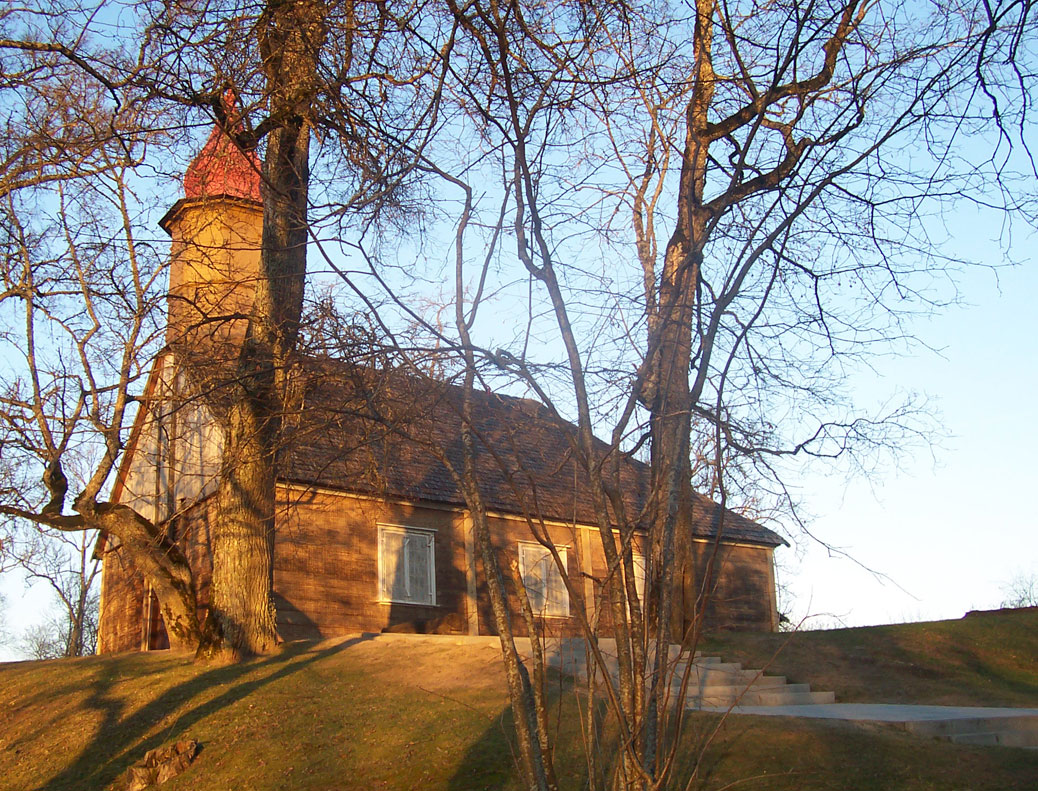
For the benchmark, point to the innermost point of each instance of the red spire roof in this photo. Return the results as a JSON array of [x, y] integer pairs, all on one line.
[[221, 168]]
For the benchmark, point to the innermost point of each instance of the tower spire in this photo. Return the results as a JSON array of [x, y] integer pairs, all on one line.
[[221, 168], [216, 230]]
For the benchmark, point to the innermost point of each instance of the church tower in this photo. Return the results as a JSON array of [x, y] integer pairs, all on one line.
[[216, 230]]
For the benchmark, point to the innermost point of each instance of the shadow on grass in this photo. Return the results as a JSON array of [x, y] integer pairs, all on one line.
[[117, 742], [492, 760], [55, 681], [765, 754]]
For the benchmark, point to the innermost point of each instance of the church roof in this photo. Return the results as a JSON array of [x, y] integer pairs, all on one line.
[[397, 435], [222, 169]]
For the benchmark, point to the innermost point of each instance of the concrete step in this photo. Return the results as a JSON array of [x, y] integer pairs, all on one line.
[[718, 672], [770, 698], [1008, 731], [946, 728], [711, 680], [738, 689], [991, 726], [1011, 738], [754, 682], [700, 677], [714, 667], [578, 661]]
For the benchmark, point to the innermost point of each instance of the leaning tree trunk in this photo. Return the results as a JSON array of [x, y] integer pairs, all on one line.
[[163, 564]]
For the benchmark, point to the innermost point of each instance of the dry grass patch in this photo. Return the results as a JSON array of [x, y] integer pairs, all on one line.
[[403, 714]]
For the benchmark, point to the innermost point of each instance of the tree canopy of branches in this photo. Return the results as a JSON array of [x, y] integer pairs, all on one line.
[[718, 208], [73, 89], [688, 219]]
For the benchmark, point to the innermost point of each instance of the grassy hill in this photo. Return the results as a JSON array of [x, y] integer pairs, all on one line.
[[983, 659], [364, 714]]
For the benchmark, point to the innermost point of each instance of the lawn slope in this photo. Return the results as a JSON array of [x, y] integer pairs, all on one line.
[[983, 659], [359, 713]]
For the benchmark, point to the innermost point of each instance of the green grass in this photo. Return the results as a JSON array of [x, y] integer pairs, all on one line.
[[985, 659], [361, 715]]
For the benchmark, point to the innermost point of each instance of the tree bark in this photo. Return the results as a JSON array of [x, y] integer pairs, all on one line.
[[164, 566], [290, 35]]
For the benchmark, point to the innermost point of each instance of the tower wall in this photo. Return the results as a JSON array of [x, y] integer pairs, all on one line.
[[214, 264]]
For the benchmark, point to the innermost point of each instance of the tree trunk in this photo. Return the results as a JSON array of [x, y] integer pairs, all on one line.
[[670, 336], [243, 538], [290, 36], [670, 426], [164, 567]]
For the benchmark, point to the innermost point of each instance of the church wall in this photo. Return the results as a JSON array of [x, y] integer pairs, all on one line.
[[506, 534], [122, 604], [326, 573], [742, 596], [197, 445], [326, 566], [176, 450]]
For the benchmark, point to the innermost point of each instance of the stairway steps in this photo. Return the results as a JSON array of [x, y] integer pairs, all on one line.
[[711, 680], [963, 725], [758, 683], [715, 690], [714, 683], [1009, 731]]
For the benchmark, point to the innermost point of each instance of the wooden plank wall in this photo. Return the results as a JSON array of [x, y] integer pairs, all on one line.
[[326, 566], [742, 596], [326, 573], [506, 535], [122, 604]]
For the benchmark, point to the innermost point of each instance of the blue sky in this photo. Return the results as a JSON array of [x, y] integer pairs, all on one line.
[[953, 527]]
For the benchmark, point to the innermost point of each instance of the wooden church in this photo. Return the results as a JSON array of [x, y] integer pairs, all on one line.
[[372, 532]]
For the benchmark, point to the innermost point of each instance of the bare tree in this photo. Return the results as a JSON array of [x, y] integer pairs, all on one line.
[[51, 638], [790, 156], [288, 68], [4, 636], [80, 303], [65, 564], [1021, 590]]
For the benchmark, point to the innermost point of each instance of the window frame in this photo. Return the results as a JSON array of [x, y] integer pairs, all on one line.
[[385, 594], [546, 557]]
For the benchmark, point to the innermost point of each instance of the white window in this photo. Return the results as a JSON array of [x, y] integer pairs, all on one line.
[[547, 593], [406, 565]]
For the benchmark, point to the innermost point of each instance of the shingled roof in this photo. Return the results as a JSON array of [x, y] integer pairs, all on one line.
[[397, 435]]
